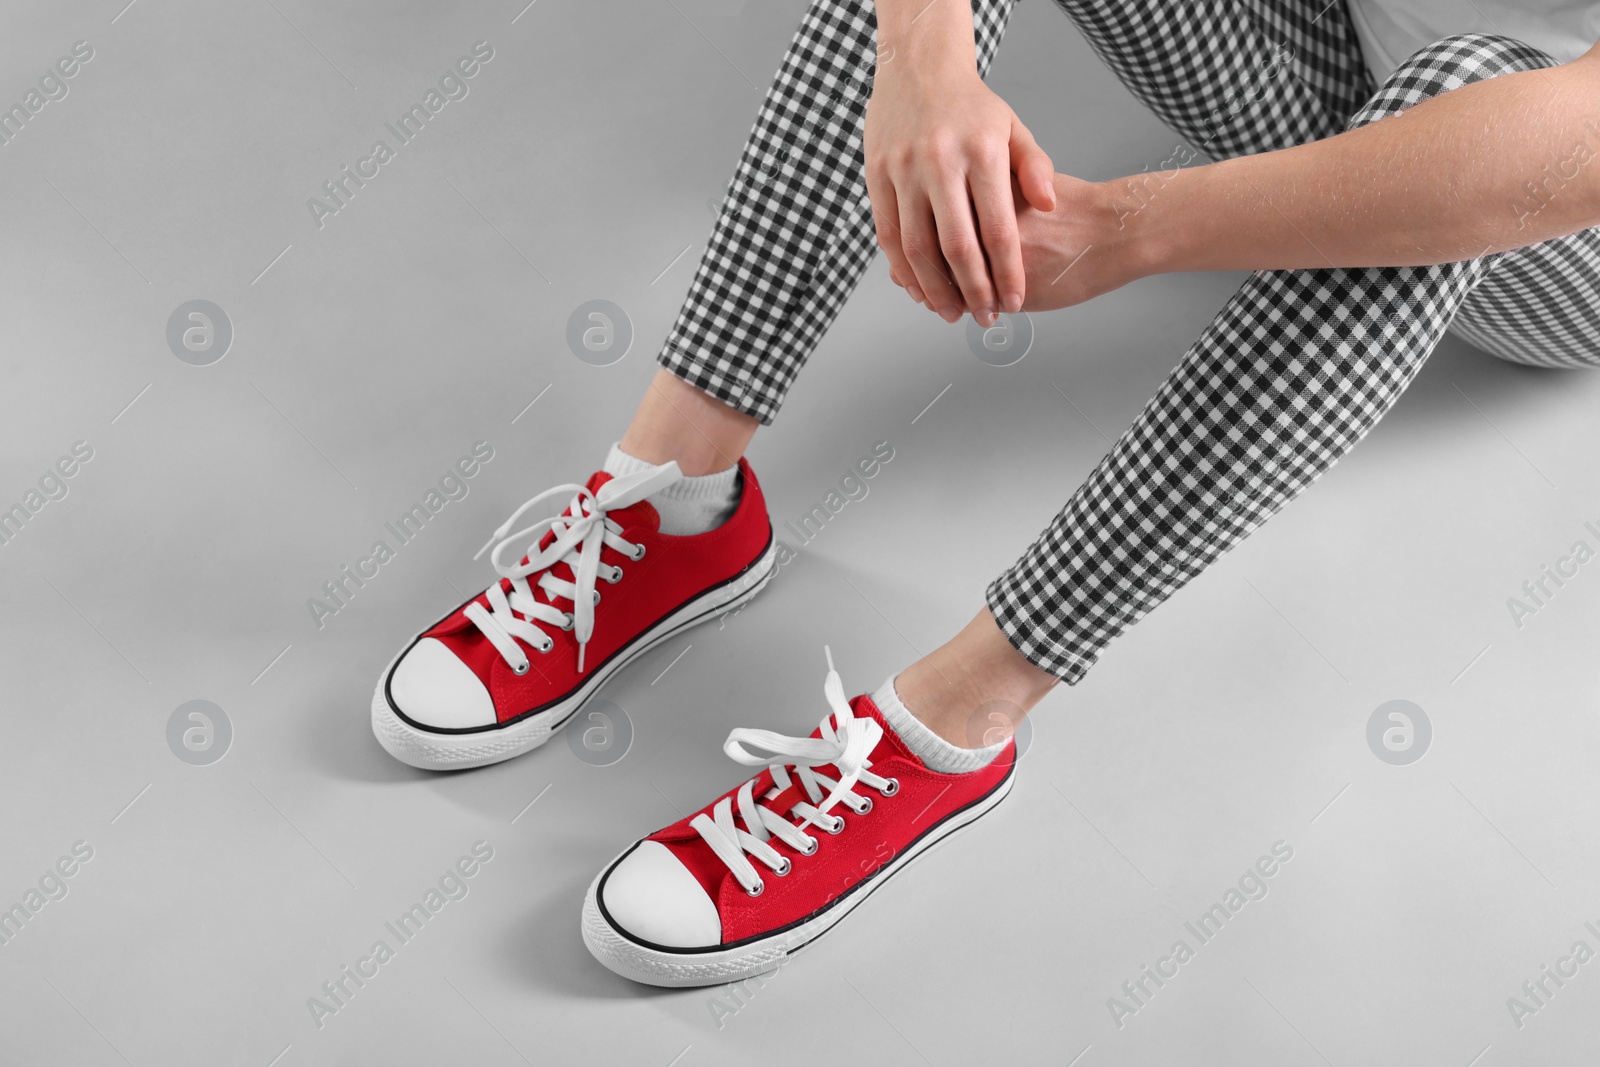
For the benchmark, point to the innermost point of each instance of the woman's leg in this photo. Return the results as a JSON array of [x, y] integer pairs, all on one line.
[[1233, 77], [1296, 369], [793, 238], [1230, 77], [1540, 306], [676, 421]]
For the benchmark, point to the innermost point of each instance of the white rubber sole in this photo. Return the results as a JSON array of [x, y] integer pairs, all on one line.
[[448, 752], [664, 967]]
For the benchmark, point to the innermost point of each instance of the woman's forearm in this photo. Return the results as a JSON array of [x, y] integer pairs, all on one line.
[[1495, 165], [924, 36]]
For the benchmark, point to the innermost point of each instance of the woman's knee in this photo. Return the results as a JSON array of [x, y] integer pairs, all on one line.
[[1448, 64]]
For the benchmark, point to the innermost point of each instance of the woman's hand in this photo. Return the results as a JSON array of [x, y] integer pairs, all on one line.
[[941, 151]]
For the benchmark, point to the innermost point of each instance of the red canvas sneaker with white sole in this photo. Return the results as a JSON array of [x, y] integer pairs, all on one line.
[[735, 889], [597, 586]]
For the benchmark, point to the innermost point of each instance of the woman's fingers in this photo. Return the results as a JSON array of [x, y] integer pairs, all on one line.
[[997, 229], [1036, 175], [919, 238], [885, 216], [958, 240]]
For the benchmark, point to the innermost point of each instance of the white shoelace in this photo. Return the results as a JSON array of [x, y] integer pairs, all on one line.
[[846, 742], [580, 532]]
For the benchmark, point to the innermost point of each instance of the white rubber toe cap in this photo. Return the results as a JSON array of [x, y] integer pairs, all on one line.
[[434, 688], [653, 897]]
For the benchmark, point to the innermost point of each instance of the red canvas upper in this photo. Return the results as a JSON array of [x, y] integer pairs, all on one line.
[[867, 843], [674, 570]]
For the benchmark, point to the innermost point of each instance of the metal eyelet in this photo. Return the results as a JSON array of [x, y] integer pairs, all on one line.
[[637, 556], [866, 806], [812, 851], [522, 669], [891, 787], [544, 648], [785, 869], [570, 621], [756, 892], [838, 825], [597, 596], [614, 576]]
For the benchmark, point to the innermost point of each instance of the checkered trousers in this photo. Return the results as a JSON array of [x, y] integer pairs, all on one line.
[[1295, 369]]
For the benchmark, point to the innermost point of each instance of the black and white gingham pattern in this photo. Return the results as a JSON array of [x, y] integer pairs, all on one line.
[[1540, 305], [795, 231], [1233, 77], [1296, 369]]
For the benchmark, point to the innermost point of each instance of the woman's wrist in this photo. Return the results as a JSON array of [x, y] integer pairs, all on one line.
[[925, 41], [1120, 237], [924, 64], [1162, 222]]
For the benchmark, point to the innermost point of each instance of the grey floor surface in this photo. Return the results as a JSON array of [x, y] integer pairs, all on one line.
[[429, 314]]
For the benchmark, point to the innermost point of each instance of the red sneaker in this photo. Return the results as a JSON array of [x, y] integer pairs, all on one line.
[[735, 889], [494, 678]]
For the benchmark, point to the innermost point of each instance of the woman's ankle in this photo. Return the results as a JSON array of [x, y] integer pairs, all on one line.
[[676, 421], [974, 687]]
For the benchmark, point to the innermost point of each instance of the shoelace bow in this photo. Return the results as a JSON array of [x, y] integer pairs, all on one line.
[[846, 742], [580, 532]]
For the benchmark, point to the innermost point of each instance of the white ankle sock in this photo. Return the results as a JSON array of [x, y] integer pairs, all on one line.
[[690, 506], [939, 755]]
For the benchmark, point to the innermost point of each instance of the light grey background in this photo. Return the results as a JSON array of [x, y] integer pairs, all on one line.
[[427, 315]]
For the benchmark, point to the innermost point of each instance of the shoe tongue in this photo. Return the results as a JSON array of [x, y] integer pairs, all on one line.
[[784, 802], [641, 514]]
